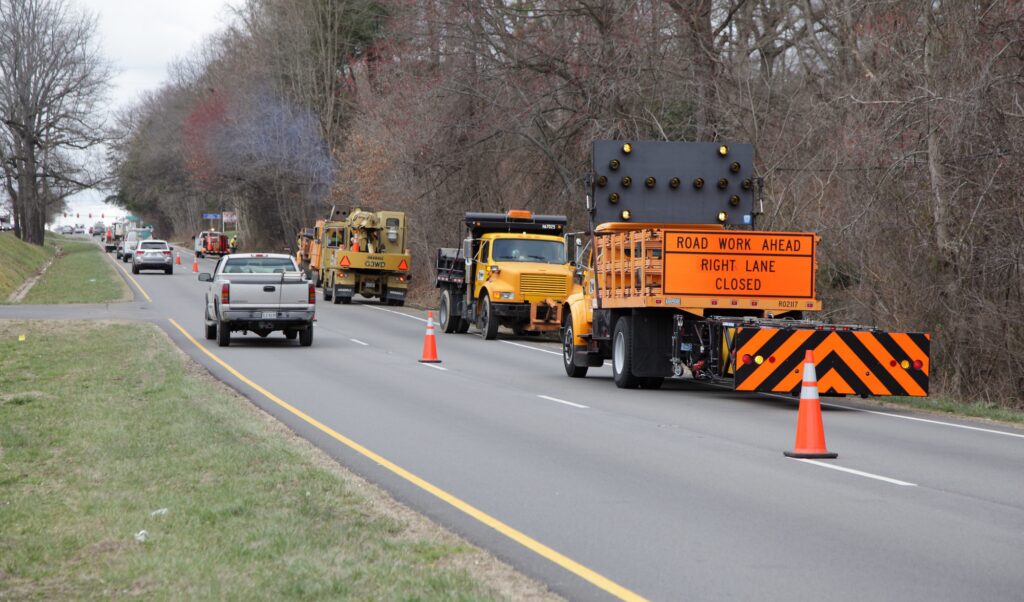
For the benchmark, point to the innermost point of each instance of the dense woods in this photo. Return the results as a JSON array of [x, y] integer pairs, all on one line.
[[893, 128]]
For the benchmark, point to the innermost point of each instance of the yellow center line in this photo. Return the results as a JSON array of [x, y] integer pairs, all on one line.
[[134, 281], [525, 540]]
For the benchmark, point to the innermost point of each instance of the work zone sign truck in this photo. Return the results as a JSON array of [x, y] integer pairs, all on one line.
[[673, 279]]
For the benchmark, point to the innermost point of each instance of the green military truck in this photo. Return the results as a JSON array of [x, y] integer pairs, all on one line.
[[363, 252]]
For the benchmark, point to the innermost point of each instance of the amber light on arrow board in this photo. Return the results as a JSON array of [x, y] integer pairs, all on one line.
[[723, 150], [626, 215], [613, 198], [627, 148]]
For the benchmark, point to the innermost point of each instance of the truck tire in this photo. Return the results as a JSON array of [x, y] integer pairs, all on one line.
[[346, 300], [336, 298], [488, 321], [211, 329], [135, 269], [223, 335], [571, 369], [306, 336], [463, 326], [328, 292], [622, 354], [449, 322]]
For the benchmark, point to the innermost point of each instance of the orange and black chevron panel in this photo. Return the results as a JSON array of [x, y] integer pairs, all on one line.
[[847, 362]]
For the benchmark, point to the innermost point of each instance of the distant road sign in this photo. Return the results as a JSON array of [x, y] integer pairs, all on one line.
[[133, 218], [230, 216], [211, 216]]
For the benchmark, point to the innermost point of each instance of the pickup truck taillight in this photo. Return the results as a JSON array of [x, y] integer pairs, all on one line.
[[225, 293], [312, 294]]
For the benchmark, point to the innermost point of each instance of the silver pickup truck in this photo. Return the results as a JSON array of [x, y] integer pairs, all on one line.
[[261, 293]]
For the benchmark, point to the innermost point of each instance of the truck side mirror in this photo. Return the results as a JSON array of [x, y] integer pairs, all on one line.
[[205, 277]]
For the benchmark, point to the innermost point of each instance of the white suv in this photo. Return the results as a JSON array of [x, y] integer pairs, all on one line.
[[152, 255]]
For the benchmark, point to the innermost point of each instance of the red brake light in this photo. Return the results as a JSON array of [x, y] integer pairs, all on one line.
[[225, 293], [138, 252], [747, 359], [312, 293], [167, 252]]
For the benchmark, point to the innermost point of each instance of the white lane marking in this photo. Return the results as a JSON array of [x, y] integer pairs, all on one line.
[[529, 347], [890, 414], [568, 403], [397, 313], [434, 366], [857, 472], [358, 342], [952, 424]]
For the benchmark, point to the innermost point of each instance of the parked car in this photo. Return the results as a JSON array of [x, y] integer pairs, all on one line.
[[67, 230], [153, 255], [259, 292]]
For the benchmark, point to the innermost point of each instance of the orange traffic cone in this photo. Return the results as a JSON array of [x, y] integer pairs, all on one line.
[[177, 258], [195, 263], [810, 433], [429, 344]]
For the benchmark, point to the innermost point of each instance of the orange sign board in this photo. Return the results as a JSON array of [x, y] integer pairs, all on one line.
[[739, 264]]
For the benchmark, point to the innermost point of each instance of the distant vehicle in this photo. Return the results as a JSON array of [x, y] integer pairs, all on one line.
[[131, 241], [79, 229], [270, 293], [67, 230], [98, 229], [210, 242], [152, 255]]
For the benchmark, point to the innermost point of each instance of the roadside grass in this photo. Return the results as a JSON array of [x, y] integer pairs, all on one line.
[[79, 275], [944, 405], [94, 443], [18, 261]]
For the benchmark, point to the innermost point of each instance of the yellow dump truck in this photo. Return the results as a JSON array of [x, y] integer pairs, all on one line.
[[362, 252], [511, 270]]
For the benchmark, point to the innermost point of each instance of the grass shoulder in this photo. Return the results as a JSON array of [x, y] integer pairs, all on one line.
[[95, 446], [19, 261], [944, 406], [80, 274]]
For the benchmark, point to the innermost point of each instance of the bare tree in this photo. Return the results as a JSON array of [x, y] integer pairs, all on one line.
[[52, 84]]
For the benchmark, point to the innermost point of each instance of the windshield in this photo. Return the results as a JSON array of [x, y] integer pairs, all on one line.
[[259, 265], [540, 251], [155, 245]]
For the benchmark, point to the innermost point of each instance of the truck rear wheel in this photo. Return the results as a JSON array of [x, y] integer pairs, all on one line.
[[449, 321], [622, 354], [328, 291], [211, 330], [223, 334], [488, 321], [568, 348], [306, 336]]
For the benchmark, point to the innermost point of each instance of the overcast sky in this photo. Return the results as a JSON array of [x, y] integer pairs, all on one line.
[[142, 38]]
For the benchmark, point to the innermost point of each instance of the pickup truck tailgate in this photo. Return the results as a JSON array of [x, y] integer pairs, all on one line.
[[286, 291]]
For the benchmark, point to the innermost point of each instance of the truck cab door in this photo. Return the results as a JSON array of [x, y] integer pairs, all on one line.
[[481, 266]]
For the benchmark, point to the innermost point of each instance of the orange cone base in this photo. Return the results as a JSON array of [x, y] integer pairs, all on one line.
[[425, 361], [811, 453]]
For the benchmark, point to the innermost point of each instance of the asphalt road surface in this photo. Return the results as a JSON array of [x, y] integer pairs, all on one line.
[[602, 493]]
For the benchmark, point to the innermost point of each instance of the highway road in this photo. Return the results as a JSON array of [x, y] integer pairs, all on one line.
[[602, 493]]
